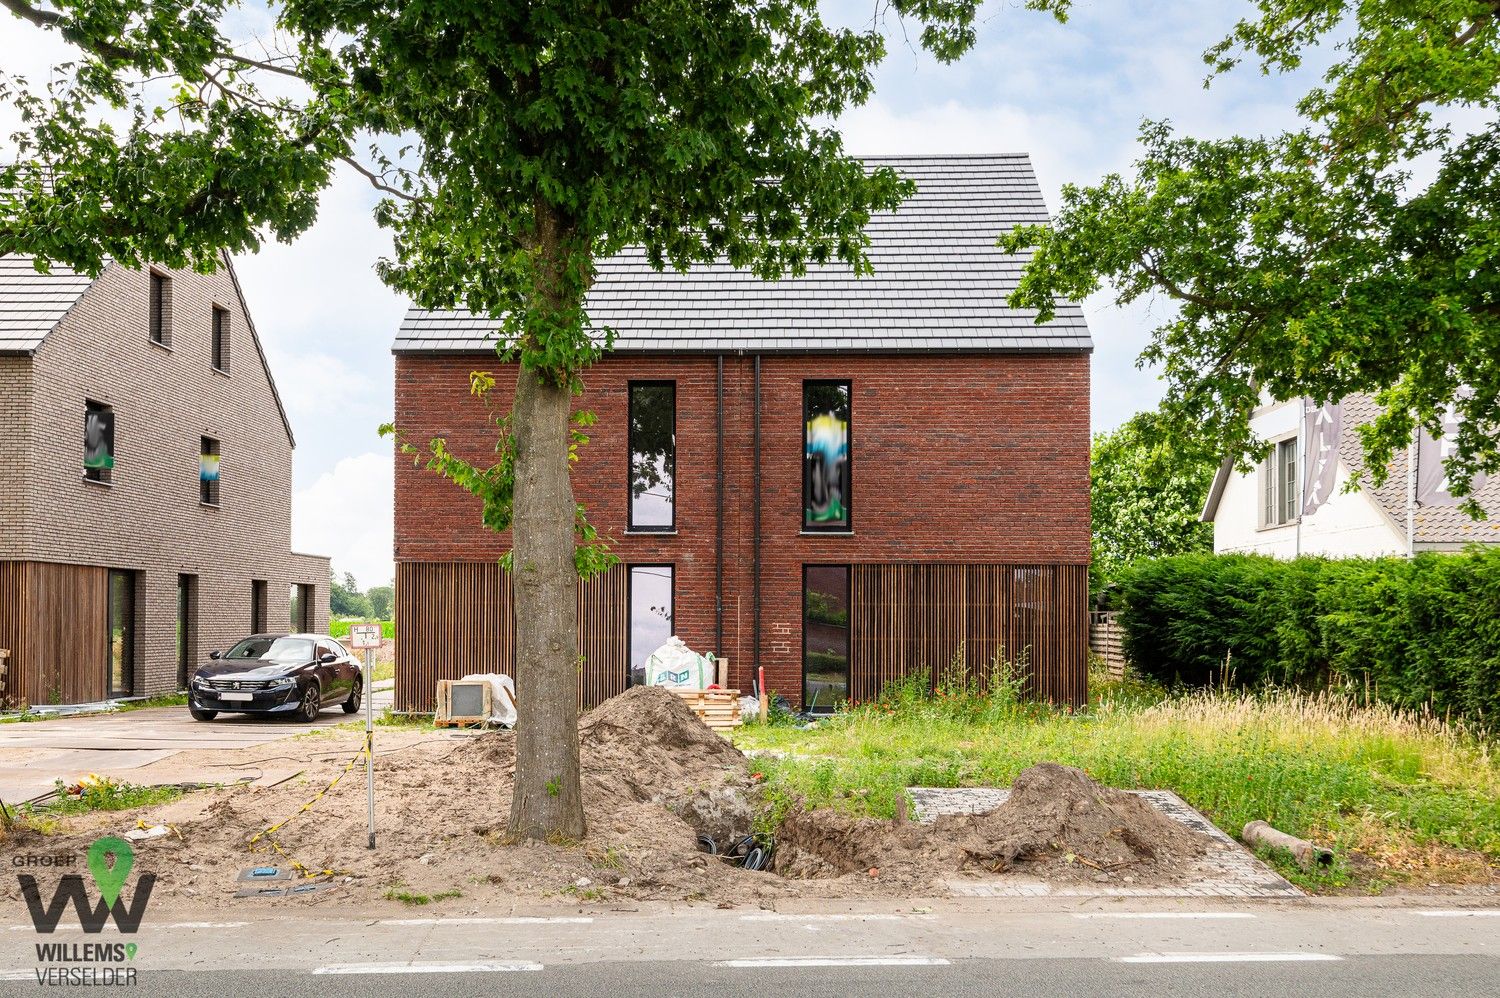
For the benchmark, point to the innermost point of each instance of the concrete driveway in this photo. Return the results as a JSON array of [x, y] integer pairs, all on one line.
[[36, 753]]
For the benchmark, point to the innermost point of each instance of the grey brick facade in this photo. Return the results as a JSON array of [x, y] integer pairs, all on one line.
[[149, 518]]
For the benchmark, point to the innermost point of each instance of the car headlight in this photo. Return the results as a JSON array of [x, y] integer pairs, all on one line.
[[281, 684]]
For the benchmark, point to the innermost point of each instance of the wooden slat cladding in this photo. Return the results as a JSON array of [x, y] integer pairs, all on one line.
[[54, 619], [909, 617], [457, 618]]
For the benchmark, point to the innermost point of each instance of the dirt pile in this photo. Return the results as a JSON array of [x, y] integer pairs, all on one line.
[[1057, 823]]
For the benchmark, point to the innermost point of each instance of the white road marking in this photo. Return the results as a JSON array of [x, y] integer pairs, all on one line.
[[1463, 913], [786, 917], [512, 920], [834, 961], [202, 925], [1164, 914], [17, 975], [428, 968], [1229, 958]]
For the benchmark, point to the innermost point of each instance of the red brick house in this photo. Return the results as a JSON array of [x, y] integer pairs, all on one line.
[[841, 480]]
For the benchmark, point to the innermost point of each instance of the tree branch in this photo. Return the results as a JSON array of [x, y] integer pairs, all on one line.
[[378, 181], [120, 53]]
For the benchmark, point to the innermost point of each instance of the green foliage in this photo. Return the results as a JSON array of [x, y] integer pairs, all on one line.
[[108, 795], [1418, 633], [1350, 776], [1313, 262], [345, 599], [340, 628], [1147, 488], [382, 601]]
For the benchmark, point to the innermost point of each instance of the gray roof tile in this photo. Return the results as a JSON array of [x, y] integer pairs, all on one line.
[[32, 303], [940, 284]]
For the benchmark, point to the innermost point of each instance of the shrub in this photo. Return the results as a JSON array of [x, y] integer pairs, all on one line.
[[1423, 632], [340, 628]]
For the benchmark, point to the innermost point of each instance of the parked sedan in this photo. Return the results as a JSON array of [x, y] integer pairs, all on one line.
[[289, 675]]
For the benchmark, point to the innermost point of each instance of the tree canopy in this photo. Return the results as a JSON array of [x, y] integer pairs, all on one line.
[[1356, 252], [1147, 487]]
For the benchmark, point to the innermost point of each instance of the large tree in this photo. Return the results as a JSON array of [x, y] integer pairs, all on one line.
[[1147, 487], [516, 143], [1359, 251]]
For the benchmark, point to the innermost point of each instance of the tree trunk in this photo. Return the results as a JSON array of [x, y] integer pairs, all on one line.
[[548, 801]]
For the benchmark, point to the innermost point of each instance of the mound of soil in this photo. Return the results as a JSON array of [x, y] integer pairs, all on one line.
[[1057, 823]]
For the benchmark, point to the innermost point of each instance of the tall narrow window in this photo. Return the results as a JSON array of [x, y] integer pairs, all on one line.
[[220, 338], [187, 597], [98, 442], [121, 633], [159, 315], [650, 615], [827, 500], [301, 605], [1280, 485], [208, 471], [653, 455], [825, 636], [259, 606]]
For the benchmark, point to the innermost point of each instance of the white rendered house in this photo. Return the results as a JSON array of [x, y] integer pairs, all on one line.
[[1262, 512]]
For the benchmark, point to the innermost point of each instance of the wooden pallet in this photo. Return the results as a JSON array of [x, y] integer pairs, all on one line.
[[719, 709]]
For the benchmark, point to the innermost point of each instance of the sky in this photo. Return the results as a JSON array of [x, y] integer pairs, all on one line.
[[1073, 96]]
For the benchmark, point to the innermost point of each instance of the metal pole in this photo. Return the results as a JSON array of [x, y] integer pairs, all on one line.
[[370, 739]]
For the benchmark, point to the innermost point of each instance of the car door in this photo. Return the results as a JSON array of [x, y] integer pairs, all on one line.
[[348, 666], [335, 688]]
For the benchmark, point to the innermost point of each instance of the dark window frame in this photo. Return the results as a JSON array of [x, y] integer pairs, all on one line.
[[847, 527], [218, 337], [260, 605], [187, 625], [128, 644], [630, 524], [848, 629], [208, 491], [101, 476], [630, 608], [159, 308]]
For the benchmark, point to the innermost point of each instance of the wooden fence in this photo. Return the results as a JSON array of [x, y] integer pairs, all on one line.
[[54, 619], [1107, 640]]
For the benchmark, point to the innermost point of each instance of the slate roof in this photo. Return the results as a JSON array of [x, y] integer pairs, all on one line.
[[1433, 525], [939, 285], [31, 304]]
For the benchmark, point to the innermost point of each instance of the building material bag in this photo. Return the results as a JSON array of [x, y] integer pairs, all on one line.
[[675, 665]]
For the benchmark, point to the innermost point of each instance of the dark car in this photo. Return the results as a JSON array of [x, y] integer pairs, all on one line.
[[287, 675]]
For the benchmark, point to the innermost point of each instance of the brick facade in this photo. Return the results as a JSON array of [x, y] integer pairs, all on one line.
[[149, 519], [980, 458]]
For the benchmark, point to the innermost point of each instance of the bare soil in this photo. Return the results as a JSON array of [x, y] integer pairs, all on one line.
[[655, 778]]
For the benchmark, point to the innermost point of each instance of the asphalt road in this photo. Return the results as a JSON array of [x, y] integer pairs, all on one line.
[[1327, 948]]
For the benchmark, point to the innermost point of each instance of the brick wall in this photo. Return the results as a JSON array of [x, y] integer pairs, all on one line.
[[149, 518], [980, 458], [15, 436]]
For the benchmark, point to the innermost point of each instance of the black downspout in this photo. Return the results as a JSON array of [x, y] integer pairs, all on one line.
[[755, 560], [719, 515]]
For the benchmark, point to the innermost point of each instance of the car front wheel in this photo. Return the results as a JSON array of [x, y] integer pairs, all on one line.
[[199, 714], [312, 703]]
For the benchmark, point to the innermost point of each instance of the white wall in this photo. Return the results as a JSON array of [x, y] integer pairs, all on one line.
[[1347, 525]]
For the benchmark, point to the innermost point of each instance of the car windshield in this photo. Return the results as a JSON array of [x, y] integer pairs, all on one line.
[[285, 651]]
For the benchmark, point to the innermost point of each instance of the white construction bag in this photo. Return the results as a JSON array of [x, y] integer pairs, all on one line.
[[502, 697], [676, 665]]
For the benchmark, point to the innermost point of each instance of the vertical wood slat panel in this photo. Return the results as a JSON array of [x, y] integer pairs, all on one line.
[[55, 620], [911, 617], [458, 618]]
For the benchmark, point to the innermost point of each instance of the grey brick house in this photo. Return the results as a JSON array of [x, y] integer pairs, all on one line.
[[145, 482]]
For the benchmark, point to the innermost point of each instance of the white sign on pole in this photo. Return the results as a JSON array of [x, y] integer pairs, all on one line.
[[363, 636]]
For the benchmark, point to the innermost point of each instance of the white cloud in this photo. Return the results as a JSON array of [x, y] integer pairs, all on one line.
[[346, 514]]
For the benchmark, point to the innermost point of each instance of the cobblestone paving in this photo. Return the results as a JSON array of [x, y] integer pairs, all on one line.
[[1226, 870]]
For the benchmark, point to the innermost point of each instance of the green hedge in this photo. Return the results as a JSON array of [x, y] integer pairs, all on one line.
[[1412, 632], [340, 628]]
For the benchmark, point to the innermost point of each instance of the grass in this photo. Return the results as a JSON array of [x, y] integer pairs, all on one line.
[[97, 794], [1404, 789], [407, 897]]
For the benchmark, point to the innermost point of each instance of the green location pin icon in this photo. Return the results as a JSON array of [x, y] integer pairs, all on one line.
[[110, 860], [130, 951]]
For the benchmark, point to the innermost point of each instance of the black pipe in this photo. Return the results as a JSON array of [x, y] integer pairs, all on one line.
[[755, 542], [719, 516]]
